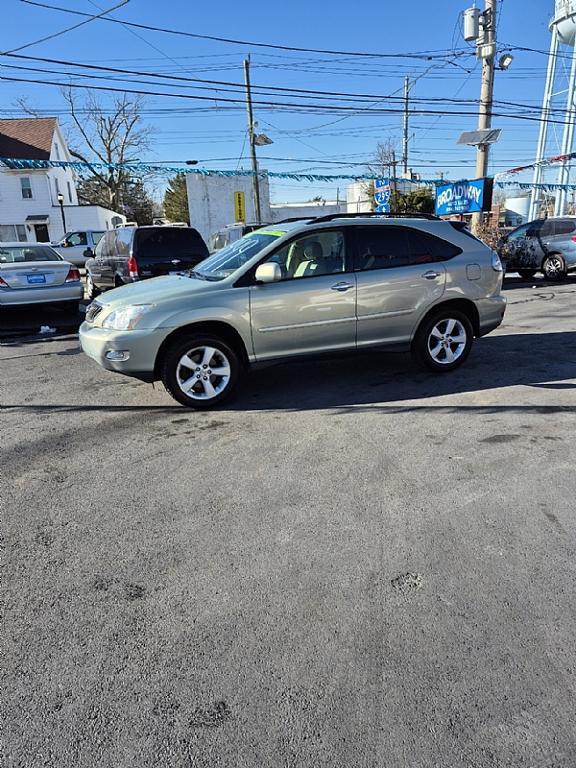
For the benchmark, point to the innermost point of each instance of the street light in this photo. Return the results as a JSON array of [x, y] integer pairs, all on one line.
[[505, 61], [61, 202]]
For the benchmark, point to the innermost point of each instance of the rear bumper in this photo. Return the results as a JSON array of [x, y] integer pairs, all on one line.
[[491, 313], [10, 297], [141, 346]]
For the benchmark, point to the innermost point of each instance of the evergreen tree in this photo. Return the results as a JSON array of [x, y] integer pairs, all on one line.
[[176, 199]]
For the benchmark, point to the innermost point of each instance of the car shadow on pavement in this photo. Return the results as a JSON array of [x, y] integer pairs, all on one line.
[[534, 360], [378, 380]]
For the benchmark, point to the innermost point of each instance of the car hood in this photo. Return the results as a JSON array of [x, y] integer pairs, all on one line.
[[157, 290]]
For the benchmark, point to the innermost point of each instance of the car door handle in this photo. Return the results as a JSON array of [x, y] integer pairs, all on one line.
[[431, 275], [341, 287]]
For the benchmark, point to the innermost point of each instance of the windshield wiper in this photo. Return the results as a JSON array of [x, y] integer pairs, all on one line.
[[197, 275]]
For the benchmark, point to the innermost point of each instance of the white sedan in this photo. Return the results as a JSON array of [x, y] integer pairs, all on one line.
[[33, 273]]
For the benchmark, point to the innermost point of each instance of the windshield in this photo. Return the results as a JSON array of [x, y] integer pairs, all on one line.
[[10, 255], [229, 259]]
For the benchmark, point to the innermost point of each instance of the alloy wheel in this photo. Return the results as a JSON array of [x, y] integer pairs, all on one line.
[[447, 341], [203, 373], [553, 267]]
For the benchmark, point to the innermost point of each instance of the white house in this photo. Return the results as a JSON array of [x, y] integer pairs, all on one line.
[[29, 199]]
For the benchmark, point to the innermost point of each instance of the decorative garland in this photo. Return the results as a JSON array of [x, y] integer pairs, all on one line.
[[81, 167]]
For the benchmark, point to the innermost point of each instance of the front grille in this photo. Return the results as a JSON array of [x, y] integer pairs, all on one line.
[[93, 311]]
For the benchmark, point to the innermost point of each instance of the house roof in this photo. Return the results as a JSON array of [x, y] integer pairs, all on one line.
[[28, 138]]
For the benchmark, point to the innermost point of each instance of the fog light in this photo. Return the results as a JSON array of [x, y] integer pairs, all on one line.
[[117, 354]]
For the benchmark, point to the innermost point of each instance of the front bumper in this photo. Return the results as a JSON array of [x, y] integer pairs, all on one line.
[[141, 346]]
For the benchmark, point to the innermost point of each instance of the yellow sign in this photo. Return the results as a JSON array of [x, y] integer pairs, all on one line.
[[239, 207]]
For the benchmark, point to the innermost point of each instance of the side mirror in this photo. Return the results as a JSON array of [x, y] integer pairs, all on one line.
[[268, 273]]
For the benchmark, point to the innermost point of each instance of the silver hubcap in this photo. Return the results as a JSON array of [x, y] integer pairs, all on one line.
[[553, 267], [447, 341], [203, 373]]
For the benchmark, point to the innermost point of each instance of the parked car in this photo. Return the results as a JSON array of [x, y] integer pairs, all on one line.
[[77, 247], [343, 282], [544, 245], [33, 273], [228, 235], [128, 254]]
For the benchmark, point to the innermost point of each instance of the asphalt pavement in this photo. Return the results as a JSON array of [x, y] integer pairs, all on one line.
[[354, 563]]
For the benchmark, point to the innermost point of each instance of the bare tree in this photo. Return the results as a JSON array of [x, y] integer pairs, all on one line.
[[109, 135], [381, 164]]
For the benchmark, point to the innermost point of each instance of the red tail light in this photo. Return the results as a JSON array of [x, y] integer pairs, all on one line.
[[573, 238], [133, 268], [3, 282], [73, 275]]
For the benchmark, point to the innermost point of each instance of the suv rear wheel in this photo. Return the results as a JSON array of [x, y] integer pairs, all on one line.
[[553, 267], [200, 371], [444, 340]]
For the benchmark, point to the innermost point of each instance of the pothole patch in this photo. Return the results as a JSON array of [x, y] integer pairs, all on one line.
[[407, 583]]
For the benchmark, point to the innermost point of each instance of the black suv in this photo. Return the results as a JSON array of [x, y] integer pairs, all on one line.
[[127, 254]]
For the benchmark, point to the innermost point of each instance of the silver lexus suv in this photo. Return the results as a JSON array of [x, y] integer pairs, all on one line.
[[334, 283]]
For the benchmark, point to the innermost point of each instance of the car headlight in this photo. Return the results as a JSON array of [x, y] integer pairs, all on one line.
[[126, 318]]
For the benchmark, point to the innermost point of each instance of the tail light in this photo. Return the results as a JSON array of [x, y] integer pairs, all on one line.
[[573, 238], [73, 275], [4, 283], [133, 268]]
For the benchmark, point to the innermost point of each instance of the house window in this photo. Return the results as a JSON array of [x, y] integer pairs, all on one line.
[[26, 187], [13, 232], [57, 187], [57, 151], [69, 191]]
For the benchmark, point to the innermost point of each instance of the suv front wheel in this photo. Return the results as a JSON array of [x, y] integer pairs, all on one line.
[[443, 341], [200, 371]]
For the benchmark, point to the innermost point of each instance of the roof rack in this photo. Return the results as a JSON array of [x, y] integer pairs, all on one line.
[[332, 216], [295, 218]]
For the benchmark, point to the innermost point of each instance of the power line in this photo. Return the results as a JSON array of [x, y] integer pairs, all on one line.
[[91, 17], [423, 55]]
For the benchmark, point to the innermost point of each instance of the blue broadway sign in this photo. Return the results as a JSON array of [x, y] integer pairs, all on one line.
[[464, 197]]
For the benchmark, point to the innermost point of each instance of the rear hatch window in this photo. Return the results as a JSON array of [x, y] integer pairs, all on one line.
[[168, 249]]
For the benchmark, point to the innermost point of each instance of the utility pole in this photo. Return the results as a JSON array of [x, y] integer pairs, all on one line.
[[393, 182], [255, 180], [405, 140], [487, 52]]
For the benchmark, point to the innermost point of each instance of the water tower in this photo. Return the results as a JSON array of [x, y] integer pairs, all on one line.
[[560, 91]]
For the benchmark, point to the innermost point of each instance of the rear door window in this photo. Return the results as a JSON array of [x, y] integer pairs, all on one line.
[[564, 227], [381, 247]]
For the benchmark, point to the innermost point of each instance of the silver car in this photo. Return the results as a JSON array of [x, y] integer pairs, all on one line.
[[543, 245], [304, 288], [77, 247], [33, 273]]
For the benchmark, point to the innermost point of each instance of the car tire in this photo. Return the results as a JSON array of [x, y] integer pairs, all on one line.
[[91, 290], [187, 366], [443, 341], [526, 274], [554, 267]]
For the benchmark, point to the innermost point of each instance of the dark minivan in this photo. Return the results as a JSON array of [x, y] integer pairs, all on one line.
[[127, 254]]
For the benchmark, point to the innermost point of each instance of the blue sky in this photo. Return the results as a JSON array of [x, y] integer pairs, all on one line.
[[216, 136]]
